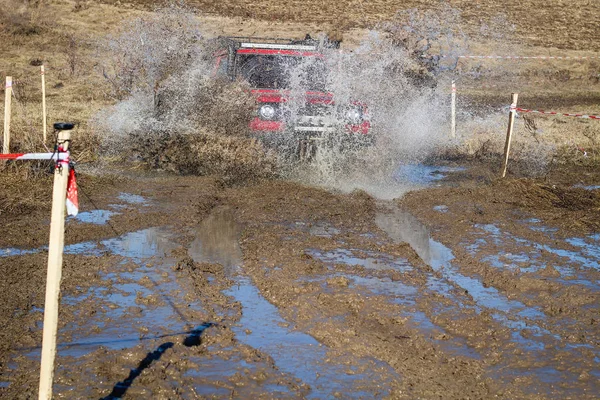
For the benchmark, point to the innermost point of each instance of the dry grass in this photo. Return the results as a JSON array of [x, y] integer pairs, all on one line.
[[75, 88], [537, 22], [540, 144], [24, 190], [32, 32], [63, 35], [24, 18]]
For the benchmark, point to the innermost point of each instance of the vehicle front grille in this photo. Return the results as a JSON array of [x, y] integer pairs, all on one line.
[[317, 109]]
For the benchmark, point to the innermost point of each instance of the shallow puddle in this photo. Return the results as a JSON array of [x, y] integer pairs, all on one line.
[[213, 377], [323, 230], [134, 304], [403, 227], [96, 217], [537, 343], [132, 198], [300, 354], [261, 326], [587, 187], [423, 175], [373, 260], [83, 248], [534, 257]]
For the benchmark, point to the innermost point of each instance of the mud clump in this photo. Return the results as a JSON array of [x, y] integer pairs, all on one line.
[[235, 159], [217, 105], [339, 281]]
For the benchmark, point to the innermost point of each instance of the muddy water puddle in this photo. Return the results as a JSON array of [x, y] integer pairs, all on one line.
[[140, 304], [407, 297], [134, 199], [587, 187], [302, 356], [422, 174], [102, 217], [573, 261], [262, 327], [371, 260], [96, 217], [83, 248], [403, 227], [136, 301], [530, 331]]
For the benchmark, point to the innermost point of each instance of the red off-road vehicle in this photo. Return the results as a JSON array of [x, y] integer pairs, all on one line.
[[292, 114]]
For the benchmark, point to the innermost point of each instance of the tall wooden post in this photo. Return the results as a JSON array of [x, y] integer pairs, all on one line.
[[55, 258], [511, 123], [7, 112], [44, 121], [453, 112]]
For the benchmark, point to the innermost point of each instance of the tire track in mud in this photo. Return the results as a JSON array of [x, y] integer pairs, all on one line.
[[556, 351], [329, 300], [310, 294]]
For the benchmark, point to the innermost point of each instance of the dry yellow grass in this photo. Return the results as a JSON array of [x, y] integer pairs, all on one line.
[[546, 23], [76, 89]]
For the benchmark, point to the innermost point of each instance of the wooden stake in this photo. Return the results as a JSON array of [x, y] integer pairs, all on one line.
[[55, 258], [7, 106], [453, 112], [511, 123], [45, 125]]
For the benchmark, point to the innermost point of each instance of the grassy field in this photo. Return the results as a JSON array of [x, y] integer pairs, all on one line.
[[65, 36], [537, 22]]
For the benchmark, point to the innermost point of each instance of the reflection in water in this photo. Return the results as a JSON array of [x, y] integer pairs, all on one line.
[[217, 240], [142, 244], [299, 354], [403, 227]]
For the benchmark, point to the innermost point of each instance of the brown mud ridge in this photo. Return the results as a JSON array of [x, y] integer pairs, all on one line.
[[182, 287]]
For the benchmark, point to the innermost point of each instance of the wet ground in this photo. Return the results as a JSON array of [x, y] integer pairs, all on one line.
[[183, 288]]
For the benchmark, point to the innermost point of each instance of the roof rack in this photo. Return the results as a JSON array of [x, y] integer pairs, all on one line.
[[241, 42], [252, 39], [306, 44]]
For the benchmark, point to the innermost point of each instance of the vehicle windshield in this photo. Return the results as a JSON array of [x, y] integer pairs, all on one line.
[[277, 72]]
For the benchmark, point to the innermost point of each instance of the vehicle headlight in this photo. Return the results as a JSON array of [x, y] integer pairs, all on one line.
[[354, 115], [267, 111]]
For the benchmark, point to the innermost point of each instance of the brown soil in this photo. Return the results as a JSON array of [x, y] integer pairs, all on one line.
[[285, 229]]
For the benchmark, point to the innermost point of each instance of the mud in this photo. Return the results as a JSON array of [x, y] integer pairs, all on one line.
[[439, 282], [182, 287]]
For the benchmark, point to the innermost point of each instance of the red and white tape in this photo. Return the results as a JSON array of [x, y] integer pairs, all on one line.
[[63, 159], [525, 110], [534, 57], [72, 201], [36, 156]]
